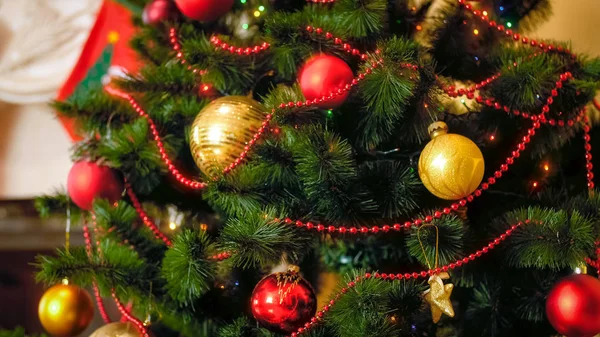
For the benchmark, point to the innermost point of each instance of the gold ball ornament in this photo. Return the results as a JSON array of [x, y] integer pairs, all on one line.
[[451, 166], [65, 310], [221, 131], [117, 330]]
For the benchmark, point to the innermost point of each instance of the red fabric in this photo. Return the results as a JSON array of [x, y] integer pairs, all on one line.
[[111, 17]]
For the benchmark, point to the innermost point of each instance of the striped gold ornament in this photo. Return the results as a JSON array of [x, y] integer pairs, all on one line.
[[221, 131]]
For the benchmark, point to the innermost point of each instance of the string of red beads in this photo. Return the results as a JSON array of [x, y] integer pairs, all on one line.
[[136, 322], [453, 207], [88, 249], [144, 216], [407, 276], [547, 47], [176, 46], [161, 149], [346, 46], [470, 91], [221, 256], [588, 153], [220, 44], [251, 143]]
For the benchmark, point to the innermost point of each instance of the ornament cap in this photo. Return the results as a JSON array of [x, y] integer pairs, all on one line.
[[437, 129], [292, 268]]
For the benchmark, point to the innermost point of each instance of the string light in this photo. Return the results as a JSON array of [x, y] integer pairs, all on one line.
[[204, 227], [509, 24], [535, 184], [172, 226], [476, 31], [485, 13], [245, 26], [492, 137], [261, 8], [501, 8], [256, 13], [419, 28], [546, 167], [243, 1]]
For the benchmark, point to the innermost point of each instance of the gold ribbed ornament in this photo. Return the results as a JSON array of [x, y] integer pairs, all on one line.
[[451, 166], [117, 330], [65, 310], [221, 131]]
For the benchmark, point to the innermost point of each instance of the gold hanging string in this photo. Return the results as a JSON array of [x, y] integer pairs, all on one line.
[[437, 242], [68, 227]]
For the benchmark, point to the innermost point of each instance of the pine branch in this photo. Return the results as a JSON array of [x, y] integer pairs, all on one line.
[[258, 240], [186, 267]]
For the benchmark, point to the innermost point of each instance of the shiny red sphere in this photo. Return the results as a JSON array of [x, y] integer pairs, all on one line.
[[88, 181], [573, 306], [322, 75], [204, 10], [283, 302], [158, 11]]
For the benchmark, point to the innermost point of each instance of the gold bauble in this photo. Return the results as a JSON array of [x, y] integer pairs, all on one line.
[[451, 166], [221, 131], [117, 330], [65, 310]]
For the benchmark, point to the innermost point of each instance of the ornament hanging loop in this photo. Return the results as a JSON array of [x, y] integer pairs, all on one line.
[[437, 242]]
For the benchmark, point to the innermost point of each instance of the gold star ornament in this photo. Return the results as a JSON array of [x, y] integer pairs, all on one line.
[[438, 296]]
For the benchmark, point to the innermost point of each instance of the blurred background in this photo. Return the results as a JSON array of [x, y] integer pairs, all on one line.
[[47, 43]]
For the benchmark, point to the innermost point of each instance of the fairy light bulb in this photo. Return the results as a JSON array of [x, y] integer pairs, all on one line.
[[261, 8], [535, 184], [546, 167], [256, 13], [485, 13], [509, 24], [172, 226], [492, 138], [476, 31], [245, 26]]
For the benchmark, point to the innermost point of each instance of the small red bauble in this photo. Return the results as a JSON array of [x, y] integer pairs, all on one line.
[[204, 10], [283, 302], [88, 181], [322, 75], [573, 306], [158, 11]]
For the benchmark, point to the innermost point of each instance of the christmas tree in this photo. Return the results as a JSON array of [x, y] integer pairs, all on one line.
[[431, 158]]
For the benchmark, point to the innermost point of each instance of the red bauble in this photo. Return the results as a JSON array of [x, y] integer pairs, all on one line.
[[283, 302], [325, 74], [204, 10], [573, 306], [88, 181], [158, 11]]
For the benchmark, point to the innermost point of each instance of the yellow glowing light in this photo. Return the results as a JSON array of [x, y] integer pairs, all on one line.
[[419, 28], [203, 226], [215, 133], [492, 137], [439, 162], [65, 281], [256, 13], [535, 184], [546, 167], [222, 287], [485, 13], [426, 105], [476, 31], [172, 225]]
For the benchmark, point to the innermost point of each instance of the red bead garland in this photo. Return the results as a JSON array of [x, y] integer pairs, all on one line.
[[455, 206], [546, 47], [132, 319], [346, 46], [415, 275], [588, 153], [219, 44], [163, 154], [145, 218], [176, 46], [88, 249], [251, 143]]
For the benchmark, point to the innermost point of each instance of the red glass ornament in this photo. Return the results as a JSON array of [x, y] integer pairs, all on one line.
[[204, 10], [158, 11], [88, 181], [573, 306], [283, 302], [322, 75]]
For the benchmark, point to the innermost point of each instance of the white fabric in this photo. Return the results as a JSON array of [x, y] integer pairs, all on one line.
[[42, 42]]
